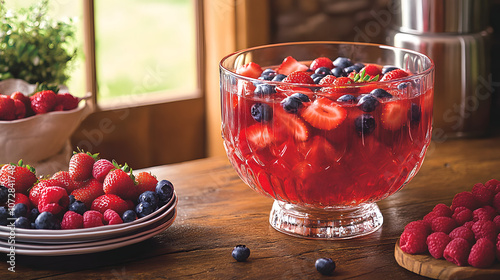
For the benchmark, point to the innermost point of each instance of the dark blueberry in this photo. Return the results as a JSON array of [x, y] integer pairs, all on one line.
[[291, 104], [380, 93], [278, 78], [144, 208], [368, 103], [267, 74], [351, 68], [22, 222], [165, 190], [264, 90], [78, 207], [365, 124], [46, 220], [342, 62], [388, 68], [402, 86], [129, 216], [4, 194], [317, 79], [71, 199], [325, 266], [338, 72], [359, 65], [33, 214], [149, 196], [4, 215], [261, 112], [301, 96], [241, 253], [20, 210], [415, 114], [323, 71], [347, 98]]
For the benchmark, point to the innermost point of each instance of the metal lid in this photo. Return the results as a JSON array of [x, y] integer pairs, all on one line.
[[440, 16]]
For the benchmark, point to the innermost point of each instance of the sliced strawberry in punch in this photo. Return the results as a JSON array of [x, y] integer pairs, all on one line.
[[324, 114]]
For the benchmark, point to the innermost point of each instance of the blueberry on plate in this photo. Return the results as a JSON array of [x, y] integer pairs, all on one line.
[[143, 209], [347, 98], [33, 214], [22, 222], [78, 207], [4, 194], [20, 210], [368, 103], [241, 253], [165, 190], [71, 199], [325, 266], [380, 93], [150, 197], [46, 220], [291, 104], [129, 216], [365, 124], [4, 215], [261, 112]]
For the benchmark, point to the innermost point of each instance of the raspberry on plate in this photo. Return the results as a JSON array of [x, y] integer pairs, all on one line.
[[110, 201], [463, 232], [414, 240], [485, 229], [457, 251], [53, 199], [436, 243], [111, 217], [462, 215], [465, 199], [482, 194], [443, 224], [92, 218], [482, 254], [72, 220]]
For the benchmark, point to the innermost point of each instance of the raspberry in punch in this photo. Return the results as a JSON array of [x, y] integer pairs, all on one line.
[[326, 129]]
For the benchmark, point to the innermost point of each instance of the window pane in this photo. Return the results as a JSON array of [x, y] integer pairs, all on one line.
[[144, 46]]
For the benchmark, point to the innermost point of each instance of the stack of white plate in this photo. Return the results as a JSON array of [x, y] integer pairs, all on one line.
[[39, 242]]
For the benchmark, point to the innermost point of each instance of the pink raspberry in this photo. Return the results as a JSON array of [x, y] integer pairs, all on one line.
[[457, 251], [462, 215], [493, 185], [443, 224], [442, 210], [482, 254], [484, 213], [418, 226], [430, 217], [72, 220], [53, 200], [436, 243], [92, 218], [469, 224], [496, 220], [482, 194], [485, 229], [413, 242], [463, 232], [111, 217], [498, 247], [465, 199], [496, 202]]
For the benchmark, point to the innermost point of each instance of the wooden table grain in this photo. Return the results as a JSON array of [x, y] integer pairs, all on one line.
[[216, 211]]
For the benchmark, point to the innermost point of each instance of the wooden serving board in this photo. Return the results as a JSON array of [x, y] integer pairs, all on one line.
[[428, 266]]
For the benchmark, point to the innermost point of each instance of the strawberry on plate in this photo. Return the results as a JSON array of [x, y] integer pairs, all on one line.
[[110, 201], [394, 115], [251, 70], [290, 65], [65, 180], [81, 165], [19, 177], [34, 193], [88, 192], [321, 62], [324, 114], [120, 182], [145, 182]]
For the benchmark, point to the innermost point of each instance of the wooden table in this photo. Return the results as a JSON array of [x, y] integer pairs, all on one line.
[[216, 211]]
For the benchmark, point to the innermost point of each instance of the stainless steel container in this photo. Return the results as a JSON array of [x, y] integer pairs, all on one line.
[[455, 34]]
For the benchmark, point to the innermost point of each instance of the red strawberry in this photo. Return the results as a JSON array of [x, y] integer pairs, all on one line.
[[324, 114], [121, 183], [101, 168], [145, 182], [298, 77], [394, 115], [17, 95], [111, 217], [19, 177], [65, 180], [290, 65], [339, 87], [20, 109], [321, 62], [81, 164], [35, 191], [327, 80], [258, 136], [245, 88], [372, 70], [53, 200], [22, 198], [294, 125], [43, 101], [251, 70], [7, 108], [110, 201], [66, 101], [394, 74], [90, 191]]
